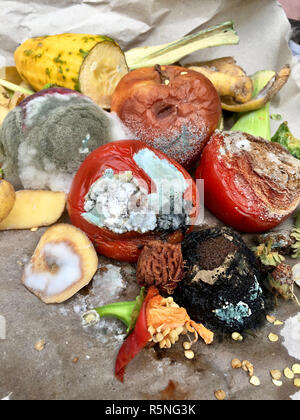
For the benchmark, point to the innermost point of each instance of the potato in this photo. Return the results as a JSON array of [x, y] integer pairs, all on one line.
[[64, 262], [7, 198], [35, 209]]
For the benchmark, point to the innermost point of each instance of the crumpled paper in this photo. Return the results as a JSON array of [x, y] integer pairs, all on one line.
[[262, 25], [264, 31]]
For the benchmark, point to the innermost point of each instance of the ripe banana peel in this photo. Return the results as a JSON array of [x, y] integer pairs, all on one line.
[[236, 88], [229, 79], [265, 95]]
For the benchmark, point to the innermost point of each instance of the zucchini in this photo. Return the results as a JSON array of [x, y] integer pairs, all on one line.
[[90, 64]]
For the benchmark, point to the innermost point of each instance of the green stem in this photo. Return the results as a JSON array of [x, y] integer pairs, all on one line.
[[222, 34], [120, 310], [126, 312], [15, 88]]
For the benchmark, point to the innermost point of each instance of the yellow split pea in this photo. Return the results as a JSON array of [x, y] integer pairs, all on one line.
[[273, 337]]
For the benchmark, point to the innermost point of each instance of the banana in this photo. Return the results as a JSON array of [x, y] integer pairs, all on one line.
[[229, 79]]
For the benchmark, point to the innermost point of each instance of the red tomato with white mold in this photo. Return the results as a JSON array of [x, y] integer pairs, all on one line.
[[250, 184], [111, 172]]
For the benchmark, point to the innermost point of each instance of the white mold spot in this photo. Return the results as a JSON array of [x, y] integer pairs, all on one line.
[[67, 271], [291, 334]]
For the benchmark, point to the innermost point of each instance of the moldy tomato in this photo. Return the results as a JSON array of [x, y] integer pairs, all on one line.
[[127, 193], [251, 184]]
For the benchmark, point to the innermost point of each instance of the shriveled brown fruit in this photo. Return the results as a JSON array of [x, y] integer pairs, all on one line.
[[171, 108], [160, 264]]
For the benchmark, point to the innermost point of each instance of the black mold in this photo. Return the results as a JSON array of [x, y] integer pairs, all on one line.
[[233, 274]]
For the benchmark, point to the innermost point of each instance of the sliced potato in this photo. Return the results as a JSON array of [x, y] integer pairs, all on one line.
[[101, 72], [64, 262], [34, 209], [7, 198]]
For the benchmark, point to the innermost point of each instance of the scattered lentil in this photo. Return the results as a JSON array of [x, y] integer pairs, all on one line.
[[296, 369], [288, 373], [271, 319], [236, 364], [273, 337], [276, 374], [254, 380], [40, 345], [220, 394], [189, 354], [187, 345], [297, 382], [237, 336], [276, 382]]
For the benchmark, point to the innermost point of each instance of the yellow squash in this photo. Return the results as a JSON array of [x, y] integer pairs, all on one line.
[[91, 64]]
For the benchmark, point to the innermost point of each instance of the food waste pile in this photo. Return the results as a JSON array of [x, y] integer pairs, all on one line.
[[149, 222]]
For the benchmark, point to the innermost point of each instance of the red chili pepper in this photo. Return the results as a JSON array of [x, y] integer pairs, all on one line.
[[136, 341], [118, 156]]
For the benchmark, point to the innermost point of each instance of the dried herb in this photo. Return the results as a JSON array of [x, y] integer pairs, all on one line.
[[266, 255]]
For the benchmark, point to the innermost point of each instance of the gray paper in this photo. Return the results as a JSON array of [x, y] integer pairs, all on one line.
[[262, 25]]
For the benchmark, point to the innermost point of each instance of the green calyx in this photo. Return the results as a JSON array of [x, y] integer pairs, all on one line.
[[127, 312]]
